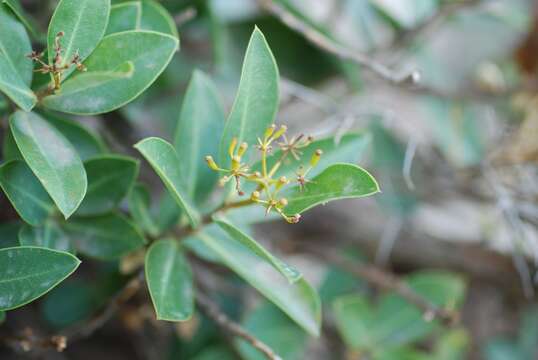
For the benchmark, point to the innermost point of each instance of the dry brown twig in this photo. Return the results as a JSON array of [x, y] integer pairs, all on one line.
[[387, 281], [211, 310], [326, 44]]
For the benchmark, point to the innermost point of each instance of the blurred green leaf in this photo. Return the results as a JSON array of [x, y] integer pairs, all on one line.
[[73, 301], [10, 151], [110, 178], [197, 135], [166, 163], [139, 206], [169, 280], [104, 237], [338, 181], [107, 85], [155, 17], [49, 235], [9, 234], [270, 325], [394, 322], [124, 16], [18, 10], [141, 15], [25, 192], [27, 273], [15, 68], [256, 101], [52, 158]]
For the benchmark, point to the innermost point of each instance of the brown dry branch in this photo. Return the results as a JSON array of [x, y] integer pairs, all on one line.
[[386, 281], [209, 308], [323, 42]]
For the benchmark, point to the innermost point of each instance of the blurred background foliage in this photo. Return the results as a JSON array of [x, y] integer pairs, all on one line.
[[455, 156]]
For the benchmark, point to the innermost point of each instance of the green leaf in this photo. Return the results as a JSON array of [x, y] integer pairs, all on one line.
[[83, 23], [256, 101], [169, 279], [270, 325], [298, 300], [18, 10], [107, 85], [15, 68], [52, 159], [395, 322], [105, 237], [124, 16], [338, 181], [287, 271], [197, 134], [86, 143], [141, 15], [110, 178], [49, 235], [10, 151], [165, 161], [74, 301], [25, 192], [9, 233], [156, 18], [27, 273], [139, 206]]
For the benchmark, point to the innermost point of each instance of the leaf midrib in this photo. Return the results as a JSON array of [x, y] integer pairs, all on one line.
[[24, 277]]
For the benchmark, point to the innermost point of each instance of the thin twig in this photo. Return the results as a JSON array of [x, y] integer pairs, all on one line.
[[388, 281], [211, 310], [87, 328], [326, 44], [447, 9]]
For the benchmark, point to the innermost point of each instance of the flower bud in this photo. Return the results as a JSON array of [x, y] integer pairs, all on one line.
[[269, 131], [280, 131], [255, 196], [242, 148], [231, 149], [282, 203], [236, 162], [315, 157], [223, 180], [293, 219], [211, 163]]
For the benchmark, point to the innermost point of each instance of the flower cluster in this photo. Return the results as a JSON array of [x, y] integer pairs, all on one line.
[[57, 67], [269, 184]]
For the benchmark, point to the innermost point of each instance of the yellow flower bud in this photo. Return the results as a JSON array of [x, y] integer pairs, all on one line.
[[211, 163], [242, 148], [315, 157], [282, 203], [236, 162], [255, 196], [280, 131], [270, 130], [231, 149]]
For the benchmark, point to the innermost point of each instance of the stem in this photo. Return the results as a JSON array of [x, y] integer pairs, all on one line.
[[212, 311]]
